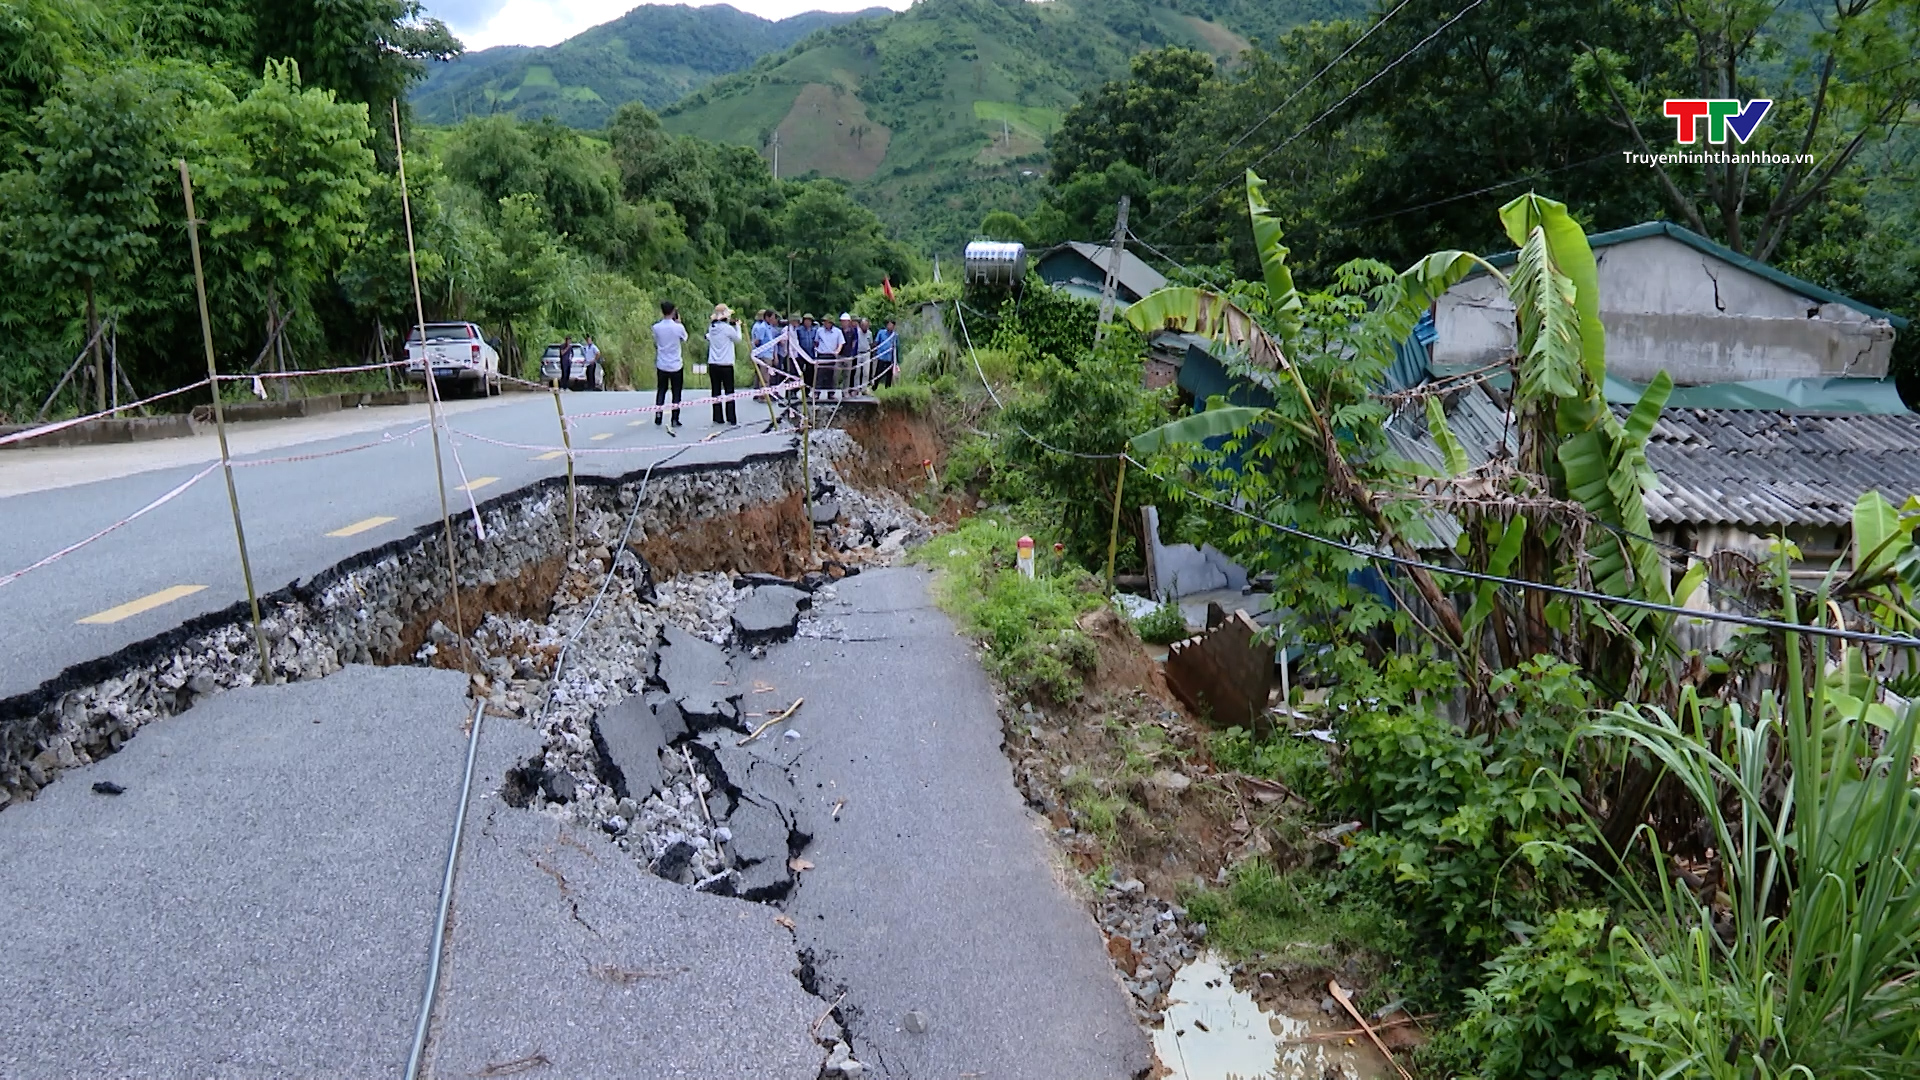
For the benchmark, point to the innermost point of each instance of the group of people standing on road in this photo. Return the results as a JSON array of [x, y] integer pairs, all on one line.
[[825, 356]]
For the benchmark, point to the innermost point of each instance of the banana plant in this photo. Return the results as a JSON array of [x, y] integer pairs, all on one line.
[[1214, 315]]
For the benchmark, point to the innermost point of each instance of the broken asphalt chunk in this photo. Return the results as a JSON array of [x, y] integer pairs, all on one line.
[[770, 613], [630, 736]]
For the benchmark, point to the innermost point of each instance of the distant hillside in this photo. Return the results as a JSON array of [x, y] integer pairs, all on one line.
[[942, 111], [654, 54]]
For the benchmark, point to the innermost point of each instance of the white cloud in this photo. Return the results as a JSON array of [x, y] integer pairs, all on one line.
[[482, 24]]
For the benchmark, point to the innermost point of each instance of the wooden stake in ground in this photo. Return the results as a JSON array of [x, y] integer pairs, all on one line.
[[566, 440], [220, 427], [433, 398], [1113, 536], [1345, 999]]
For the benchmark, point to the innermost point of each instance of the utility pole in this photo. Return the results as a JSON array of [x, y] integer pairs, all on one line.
[[1113, 269], [776, 154]]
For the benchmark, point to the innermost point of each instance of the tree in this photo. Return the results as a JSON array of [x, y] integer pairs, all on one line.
[[39, 40], [368, 51], [102, 151], [1842, 79], [205, 31], [1133, 120], [522, 275], [1001, 225], [300, 196], [838, 246]]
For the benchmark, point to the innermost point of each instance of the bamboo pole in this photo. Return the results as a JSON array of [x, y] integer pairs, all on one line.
[[220, 427], [566, 440], [1113, 534], [433, 398], [806, 470]]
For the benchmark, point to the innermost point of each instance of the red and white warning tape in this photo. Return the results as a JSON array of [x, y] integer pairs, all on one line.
[[135, 516]]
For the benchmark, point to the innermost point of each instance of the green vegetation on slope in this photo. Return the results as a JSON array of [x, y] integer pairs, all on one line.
[[653, 54], [530, 228], [967, 90]]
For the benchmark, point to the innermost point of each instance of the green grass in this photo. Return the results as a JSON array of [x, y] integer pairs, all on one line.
[[1300, 763], [1162, 626], [915, 398], [743, 119], [1027, 626], [1037, 121], [1294, 916], [539, 75]]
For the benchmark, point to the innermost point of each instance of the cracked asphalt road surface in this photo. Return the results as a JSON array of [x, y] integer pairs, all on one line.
[[935, 890]]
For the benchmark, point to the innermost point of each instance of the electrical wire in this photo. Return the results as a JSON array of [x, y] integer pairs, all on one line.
[[1311, 124], [1305, 86], [1755, 621], [1538, 586], [593, 609]]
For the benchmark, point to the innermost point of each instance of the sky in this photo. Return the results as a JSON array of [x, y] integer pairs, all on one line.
[[482, 24]]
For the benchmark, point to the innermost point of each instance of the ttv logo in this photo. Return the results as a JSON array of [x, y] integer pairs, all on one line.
[[1721, 114]]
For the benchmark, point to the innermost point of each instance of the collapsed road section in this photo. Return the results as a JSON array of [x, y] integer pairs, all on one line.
[[642, 833]]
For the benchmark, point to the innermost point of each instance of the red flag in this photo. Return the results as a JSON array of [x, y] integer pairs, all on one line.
[[886, 287]]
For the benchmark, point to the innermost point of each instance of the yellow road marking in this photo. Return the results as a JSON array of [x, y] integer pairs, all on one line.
[[603, 435], [359, 527], [550, 455], [146, 603], [477, 484]]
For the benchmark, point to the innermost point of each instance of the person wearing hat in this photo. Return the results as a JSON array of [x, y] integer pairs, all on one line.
[[722, 337], [807, 337]]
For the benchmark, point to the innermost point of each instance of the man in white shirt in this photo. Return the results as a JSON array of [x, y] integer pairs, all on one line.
[[668, 336], [722, 336], [596, 378], [829, 345]]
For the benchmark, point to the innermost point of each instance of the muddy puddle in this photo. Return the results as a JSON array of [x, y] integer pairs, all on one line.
[[1215, 1031]]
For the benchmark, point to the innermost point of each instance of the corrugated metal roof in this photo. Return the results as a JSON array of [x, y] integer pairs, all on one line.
[[1476, 421], [1741, 467], [1134, 275]]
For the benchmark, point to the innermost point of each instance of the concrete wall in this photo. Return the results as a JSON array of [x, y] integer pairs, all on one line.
[[1667, 306]]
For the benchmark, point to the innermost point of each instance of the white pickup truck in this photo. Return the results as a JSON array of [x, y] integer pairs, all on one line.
[[460, 356]]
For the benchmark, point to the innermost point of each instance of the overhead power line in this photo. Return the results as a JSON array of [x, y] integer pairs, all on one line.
[[1311, 124]]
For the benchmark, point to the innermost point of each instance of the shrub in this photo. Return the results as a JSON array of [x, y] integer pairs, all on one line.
[[1163, 625], [1027, 626], [1469, 832], [1548, 1008]]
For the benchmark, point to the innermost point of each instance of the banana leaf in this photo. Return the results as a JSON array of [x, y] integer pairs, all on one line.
[[1210, 315], [1454, 454], [1567, 246], [1282, 297], [1197, 428]]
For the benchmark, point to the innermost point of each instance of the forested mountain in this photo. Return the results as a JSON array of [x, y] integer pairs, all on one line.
[[942, 111], [653, 54]]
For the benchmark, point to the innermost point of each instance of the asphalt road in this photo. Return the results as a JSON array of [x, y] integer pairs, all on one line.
[[933, 890], [301, 516], [257, 903]]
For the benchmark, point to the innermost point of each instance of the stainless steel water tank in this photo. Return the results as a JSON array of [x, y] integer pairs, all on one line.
[[990, 262]]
